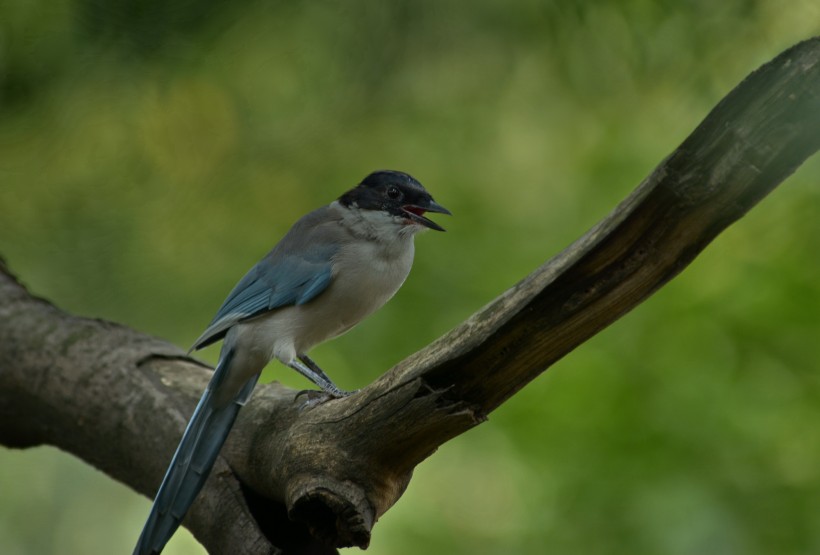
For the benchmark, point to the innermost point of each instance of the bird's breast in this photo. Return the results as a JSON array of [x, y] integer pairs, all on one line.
[[366, 275]]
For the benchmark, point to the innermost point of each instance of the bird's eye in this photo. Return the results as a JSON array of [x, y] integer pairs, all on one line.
[[394, 193]]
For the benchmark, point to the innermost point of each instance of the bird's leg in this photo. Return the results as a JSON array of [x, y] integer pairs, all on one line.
[[311, 371], [309, 362]]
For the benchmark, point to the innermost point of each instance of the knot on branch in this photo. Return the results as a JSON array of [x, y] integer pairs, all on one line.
[[341, 518]]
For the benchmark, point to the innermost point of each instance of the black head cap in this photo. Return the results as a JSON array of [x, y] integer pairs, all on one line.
[[396, 193]]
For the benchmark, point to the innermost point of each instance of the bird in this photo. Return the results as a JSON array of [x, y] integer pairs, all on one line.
[[334, 267]]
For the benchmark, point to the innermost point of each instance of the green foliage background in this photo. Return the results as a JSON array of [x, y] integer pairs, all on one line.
[[150, 152]]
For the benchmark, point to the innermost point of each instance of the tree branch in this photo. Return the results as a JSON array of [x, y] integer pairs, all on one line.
[[295, 476]]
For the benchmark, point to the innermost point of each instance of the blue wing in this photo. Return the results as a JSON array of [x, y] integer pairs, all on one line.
[[290, 274], [280, 279]]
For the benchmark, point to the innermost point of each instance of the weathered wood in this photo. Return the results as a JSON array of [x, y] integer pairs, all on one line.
[[120, 400]]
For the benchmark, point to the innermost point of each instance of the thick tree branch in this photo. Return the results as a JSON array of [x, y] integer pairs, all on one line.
[[293, 471]]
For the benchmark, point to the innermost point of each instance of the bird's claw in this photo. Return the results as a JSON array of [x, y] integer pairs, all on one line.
[[319, 396]]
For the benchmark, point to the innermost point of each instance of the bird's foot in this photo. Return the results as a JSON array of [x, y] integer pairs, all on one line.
[[337, 393], [319, 396]]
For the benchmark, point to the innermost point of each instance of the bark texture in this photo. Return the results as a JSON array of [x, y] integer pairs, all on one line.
[[303, 477]]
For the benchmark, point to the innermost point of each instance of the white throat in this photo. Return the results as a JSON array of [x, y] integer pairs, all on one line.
[[377, 225]]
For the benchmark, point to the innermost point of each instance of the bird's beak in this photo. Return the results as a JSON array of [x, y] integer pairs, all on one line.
[[416, 213]]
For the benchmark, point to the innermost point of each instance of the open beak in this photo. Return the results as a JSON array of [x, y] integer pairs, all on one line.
[[416, 212]]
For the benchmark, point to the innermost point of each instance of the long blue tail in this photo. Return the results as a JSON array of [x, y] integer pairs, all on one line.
[[193, 460]]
